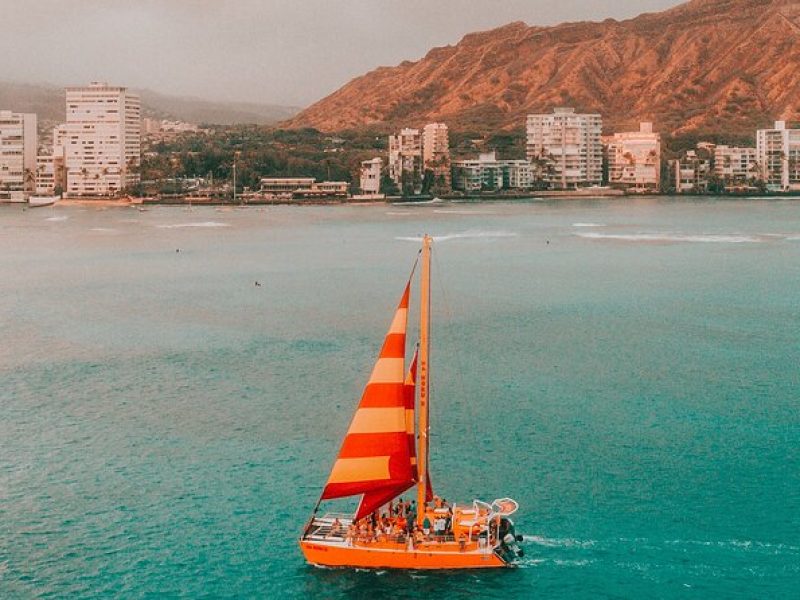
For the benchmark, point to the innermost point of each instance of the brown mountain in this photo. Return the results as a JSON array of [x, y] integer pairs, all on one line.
[[704, 66]]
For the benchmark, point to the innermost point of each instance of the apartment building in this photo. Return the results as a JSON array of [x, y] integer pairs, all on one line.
[[488, 173], [102, 140], [18, 145], [566, 147], [51, 174], [436, 154], [405, 158], [778, 157], [634, 159], [689, 174], [370, 176], [735, 166]]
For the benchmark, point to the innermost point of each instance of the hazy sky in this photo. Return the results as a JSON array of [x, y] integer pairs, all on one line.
[[272, 51]]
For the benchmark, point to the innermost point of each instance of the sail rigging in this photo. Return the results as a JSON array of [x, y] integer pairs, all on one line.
[[375, 457]]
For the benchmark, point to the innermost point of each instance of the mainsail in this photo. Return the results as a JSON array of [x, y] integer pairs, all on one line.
[[375, 457]]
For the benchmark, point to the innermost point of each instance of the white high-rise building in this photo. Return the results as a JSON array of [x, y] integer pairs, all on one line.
[[634, 159], [405, 158], [566, 147], [18, 146], [102, 140], [735, 166], [778, 156], [436, 153], [370, 183]]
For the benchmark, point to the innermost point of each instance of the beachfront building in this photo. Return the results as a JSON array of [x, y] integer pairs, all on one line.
[[102, 140], [302, 187], [566, 147], [689, 174], [488, 173], [736, 167], [634, 159], [370, 176], [18, 145], [778, 157], [436, 154], [51, 174], [405, 159]]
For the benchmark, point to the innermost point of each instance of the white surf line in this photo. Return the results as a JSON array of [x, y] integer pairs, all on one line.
[[673, 237], [461, 236], [200, 224]]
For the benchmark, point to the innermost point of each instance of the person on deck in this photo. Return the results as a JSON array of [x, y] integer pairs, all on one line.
[[336, 529], [426, 526]]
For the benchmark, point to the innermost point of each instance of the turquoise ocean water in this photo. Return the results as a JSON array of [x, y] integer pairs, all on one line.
[[627, 370]]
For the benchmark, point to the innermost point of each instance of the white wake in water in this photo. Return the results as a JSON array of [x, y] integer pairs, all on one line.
[[462, 236], [674, 237], [588, 224], [61, 218], [540, 540], [202, 224]]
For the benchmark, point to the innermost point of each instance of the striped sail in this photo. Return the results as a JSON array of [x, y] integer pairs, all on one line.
[[375, 457]]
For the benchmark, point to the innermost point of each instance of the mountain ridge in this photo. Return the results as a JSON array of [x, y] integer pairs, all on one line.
[[47, 101], [701, 66]]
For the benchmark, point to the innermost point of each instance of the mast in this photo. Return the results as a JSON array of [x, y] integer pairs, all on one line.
[[424, 380]]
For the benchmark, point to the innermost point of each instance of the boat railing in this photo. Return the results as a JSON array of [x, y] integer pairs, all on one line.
[[322, 527]]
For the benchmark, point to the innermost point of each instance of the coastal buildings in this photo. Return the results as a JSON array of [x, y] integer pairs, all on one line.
[[778, 157], [735, 167], [302, 187], [370, 176], [436, 154], [51, 174], [102, 140], [634, 159], [689, 174], [405, 159], [566, 147], [18, 144], [487, 173]]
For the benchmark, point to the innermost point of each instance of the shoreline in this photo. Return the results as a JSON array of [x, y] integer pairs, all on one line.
[[547, 196]]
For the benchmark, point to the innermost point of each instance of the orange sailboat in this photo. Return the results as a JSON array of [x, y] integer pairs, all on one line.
[[384, 454]]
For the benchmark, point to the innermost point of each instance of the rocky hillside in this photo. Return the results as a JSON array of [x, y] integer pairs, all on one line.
[[704, 66]]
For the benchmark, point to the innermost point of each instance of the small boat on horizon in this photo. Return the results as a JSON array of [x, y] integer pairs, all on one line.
[[383, 455]]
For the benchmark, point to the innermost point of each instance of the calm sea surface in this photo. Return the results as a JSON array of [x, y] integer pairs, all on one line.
[[628, 370]]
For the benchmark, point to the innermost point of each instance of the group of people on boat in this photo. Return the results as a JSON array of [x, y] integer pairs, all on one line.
[[398, 524]]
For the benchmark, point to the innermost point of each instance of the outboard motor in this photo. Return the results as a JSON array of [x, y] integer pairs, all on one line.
[[508, 539]]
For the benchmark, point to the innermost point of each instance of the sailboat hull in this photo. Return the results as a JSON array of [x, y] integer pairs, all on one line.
[[448, 556]]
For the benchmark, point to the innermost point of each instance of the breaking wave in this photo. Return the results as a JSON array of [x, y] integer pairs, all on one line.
[[59, 218], [674, 237], [588, 224], [454, 211], [201, 224], [434, 201], [461, 236]]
